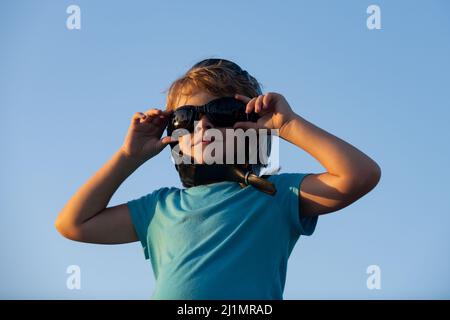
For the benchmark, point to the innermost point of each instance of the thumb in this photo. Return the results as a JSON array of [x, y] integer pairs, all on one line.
[[165, 140]]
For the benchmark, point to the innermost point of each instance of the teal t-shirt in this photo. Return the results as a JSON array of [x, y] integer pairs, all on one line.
[[221, 241]]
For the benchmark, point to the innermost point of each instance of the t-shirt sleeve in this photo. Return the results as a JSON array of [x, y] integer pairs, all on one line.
[[288, 194], [142, 210]]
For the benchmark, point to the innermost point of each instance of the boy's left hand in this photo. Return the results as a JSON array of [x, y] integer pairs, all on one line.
[[275, 112]]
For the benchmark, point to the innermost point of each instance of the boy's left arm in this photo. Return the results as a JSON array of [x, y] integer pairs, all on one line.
[[350, 173]]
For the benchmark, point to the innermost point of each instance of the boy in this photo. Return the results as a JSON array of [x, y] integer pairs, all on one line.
[[218, 239]]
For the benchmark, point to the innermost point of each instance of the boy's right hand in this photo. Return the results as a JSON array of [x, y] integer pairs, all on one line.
[[143, 140]]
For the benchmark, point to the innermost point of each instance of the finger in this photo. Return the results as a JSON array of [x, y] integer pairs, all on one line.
[[268, 100], [167, 111], [144, 118], [153, 112], [259, 103], [242, 97], [136, 117], [158, 113], [166, 140], [250, 105], [147, 116]]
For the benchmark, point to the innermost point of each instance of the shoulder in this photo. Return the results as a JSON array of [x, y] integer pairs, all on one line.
[[165, 191], [288, 196], [156, 195], [287, 184], [287, 179]]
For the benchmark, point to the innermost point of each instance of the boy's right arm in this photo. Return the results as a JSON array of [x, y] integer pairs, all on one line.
[[85, 217]]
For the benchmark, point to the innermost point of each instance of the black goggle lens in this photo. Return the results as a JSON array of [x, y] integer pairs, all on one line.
[[222, 112], [182, 118]]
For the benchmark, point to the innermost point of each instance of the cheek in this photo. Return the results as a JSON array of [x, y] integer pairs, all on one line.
[[185, 143], [228, 147]]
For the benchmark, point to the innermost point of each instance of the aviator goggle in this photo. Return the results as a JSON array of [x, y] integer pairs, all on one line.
[[221, 112]]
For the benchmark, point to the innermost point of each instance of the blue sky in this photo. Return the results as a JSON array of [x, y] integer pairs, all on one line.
[[66, 97]]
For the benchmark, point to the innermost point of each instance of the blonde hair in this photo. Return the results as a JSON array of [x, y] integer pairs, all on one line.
[[218, 77]]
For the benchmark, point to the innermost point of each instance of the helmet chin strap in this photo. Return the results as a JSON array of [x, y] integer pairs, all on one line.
[[199, 174]]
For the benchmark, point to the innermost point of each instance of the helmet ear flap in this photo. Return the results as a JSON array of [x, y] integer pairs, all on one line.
[[179, 153], [264, 162]]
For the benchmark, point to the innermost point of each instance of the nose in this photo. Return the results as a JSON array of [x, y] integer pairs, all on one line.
[[203, 124]]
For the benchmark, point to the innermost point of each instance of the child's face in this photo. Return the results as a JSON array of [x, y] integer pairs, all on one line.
[[194, 144]]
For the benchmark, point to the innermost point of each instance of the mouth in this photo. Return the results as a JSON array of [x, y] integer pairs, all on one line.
[[204, 142]]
